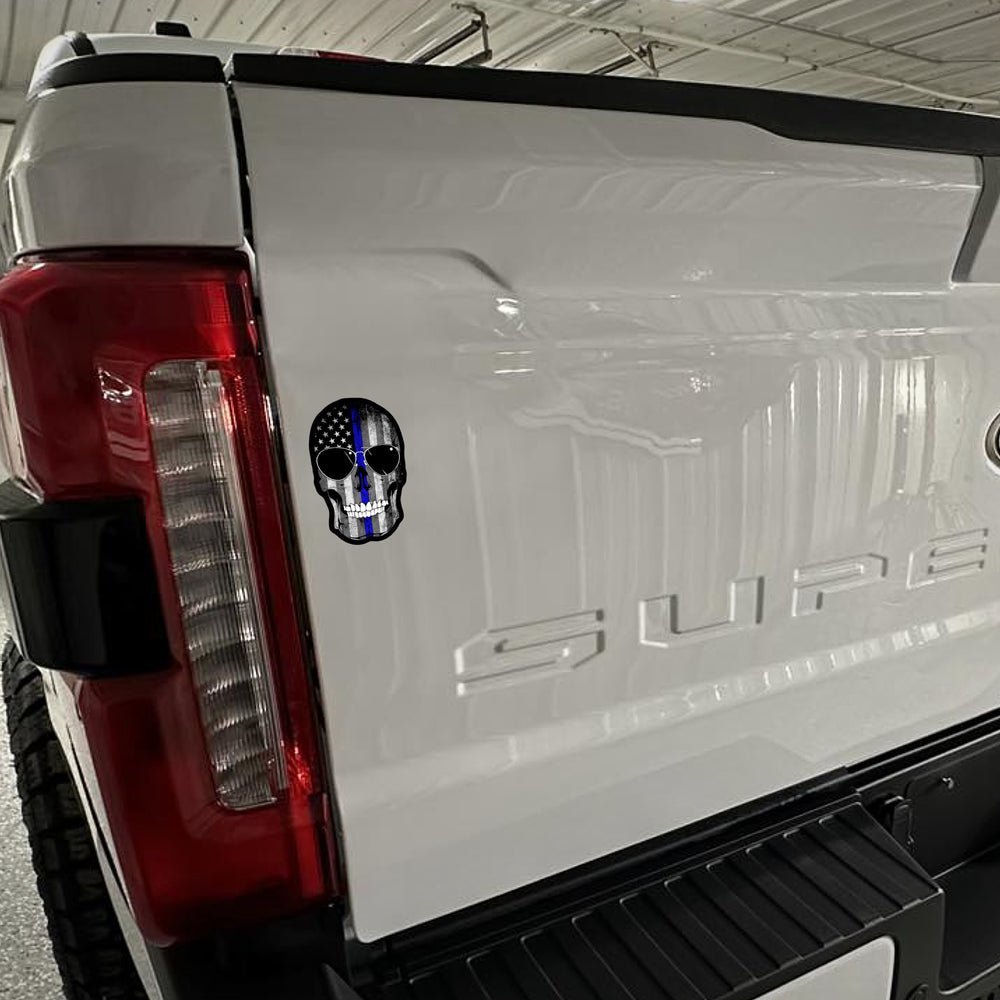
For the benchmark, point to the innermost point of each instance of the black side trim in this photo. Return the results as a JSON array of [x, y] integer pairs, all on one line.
[[982, 215], [82, 593], [731, 925], [80, 43], [128, 67], [243, 164], [796, 116]]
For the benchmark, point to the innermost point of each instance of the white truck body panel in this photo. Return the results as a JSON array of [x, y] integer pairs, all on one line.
[[104, 165], [697, 503]]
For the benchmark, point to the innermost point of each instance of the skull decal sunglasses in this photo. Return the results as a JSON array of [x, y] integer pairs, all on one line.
[[339, 463]]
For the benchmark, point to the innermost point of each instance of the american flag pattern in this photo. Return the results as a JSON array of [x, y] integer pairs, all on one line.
[[364, 506]]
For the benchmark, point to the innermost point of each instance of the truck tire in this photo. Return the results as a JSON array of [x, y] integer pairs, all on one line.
[[87, 941]]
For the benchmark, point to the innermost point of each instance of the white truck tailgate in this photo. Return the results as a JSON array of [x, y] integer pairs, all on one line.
[[696, 505]]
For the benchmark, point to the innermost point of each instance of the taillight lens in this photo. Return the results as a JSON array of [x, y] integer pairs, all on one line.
[[141, 377], [191, 416], [295, 50]]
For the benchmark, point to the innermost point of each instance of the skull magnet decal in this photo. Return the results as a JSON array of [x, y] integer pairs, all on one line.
[[357, 458]]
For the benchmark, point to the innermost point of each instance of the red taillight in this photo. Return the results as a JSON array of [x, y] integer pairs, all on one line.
[[295, 50], [141, 377]]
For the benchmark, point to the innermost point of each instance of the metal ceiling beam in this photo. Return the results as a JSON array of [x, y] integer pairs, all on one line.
[[835, 36], [692, 41], [477, 26], [639, 54]]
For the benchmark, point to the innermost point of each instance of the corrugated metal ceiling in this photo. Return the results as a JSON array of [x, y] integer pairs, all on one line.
[[943, 53]]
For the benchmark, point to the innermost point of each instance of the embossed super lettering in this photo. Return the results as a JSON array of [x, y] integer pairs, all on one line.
[[528, 651], [816, 587], [501, 657], [660, 617]]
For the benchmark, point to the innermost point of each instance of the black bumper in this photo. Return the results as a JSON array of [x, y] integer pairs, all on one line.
[[735, 925], [905, 847]]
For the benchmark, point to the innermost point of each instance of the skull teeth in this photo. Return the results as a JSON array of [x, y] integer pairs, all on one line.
[[371, 509]]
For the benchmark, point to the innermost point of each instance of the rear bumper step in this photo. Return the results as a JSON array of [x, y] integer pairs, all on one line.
[[736, 925], [875, 884]]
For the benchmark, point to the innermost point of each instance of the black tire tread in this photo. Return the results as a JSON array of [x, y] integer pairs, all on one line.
[[87, 942]]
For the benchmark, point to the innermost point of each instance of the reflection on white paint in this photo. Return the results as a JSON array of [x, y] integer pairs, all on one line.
[[746, 357], [478, 761], [5, 134]]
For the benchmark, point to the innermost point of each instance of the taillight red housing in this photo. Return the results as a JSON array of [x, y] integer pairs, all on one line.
[[80, 337], [295, 50]]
